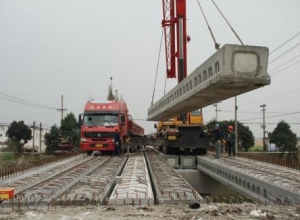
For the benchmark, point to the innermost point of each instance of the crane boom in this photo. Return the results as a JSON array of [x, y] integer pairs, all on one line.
[[174, 24]]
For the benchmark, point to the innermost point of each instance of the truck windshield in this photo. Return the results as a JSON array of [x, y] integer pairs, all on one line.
[[100, 120]]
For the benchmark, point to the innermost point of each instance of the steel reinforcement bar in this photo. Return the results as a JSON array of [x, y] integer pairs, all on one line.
[[95, 188], [48, 189], [169, 186]]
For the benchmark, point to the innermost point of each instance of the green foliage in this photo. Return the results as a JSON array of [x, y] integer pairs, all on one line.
[[52, 139], [284, 138], [256, 149], [8, 157], [245, 135], [18, 131], [69, 129], [68, 132]]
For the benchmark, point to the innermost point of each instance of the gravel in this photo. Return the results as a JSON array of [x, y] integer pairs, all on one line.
[[205, 212]]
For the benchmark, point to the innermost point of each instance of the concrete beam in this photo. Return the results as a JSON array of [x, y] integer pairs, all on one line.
[[231, 71]]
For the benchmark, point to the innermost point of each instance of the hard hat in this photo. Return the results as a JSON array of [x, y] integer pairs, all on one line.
[[217, 125], [230, 127]]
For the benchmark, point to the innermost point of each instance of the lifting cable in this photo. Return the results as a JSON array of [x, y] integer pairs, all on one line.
[[228, 23], [161, 38], [165, 85], [217, 46]]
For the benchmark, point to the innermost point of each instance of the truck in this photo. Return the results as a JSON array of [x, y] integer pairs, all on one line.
[[184, 133], [99, 123]]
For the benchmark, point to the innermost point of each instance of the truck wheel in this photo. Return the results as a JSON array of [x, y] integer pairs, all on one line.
[[197, 151], [166, 150], [89, 152], [204, 151]]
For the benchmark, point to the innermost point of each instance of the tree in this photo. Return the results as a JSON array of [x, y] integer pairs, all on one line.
[[52, 139], [17, 132], [110, 96], [284, 138], [69, 129], [245, 135]]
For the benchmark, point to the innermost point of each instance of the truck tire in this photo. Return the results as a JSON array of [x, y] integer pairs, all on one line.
[[89, 152], [204, 151], [166, 150]]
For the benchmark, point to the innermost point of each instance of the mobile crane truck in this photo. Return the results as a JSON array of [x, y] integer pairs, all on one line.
[[184, 133]]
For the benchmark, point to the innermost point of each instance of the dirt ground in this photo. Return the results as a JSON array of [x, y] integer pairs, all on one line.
[[205, 212]]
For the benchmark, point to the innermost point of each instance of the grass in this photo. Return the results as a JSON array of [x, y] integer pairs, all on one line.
[[256, 149], [8, 157]]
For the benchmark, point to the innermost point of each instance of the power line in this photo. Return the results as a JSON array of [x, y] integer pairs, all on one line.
[[271, 97], [18, 102], [252, 112], [23, 102], [273, 116], [285, 52], [286, 67], [284, 64], [285, 43]]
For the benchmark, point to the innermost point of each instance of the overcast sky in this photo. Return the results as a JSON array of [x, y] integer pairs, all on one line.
[[72, 47]]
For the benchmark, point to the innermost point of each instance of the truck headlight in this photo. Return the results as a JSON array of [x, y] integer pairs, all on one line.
[[82, 140]]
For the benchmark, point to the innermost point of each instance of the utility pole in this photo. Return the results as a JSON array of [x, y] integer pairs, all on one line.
[[264, 126], [236, 126], [40, 138], [116, 96], [33, 135], [62, 109], [216, 106]]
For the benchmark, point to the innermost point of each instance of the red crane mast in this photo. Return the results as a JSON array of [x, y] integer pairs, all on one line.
[[174, 24]]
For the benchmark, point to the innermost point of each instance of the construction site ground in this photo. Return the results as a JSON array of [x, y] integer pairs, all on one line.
[[207, 211]]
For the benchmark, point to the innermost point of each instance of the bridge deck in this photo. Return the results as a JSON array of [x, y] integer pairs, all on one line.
[[259, 180]]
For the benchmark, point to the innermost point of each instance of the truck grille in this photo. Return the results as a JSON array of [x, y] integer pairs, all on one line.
[[98, 134]]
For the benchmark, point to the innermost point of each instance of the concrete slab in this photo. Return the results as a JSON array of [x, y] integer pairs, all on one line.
[[187, 162], [134, 188], [254, 179], [172, 160]]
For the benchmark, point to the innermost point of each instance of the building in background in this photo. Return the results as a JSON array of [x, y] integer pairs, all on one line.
[[28, 146], [3, 136]]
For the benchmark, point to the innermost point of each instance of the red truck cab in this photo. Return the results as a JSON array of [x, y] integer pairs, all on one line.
[[99, 122]]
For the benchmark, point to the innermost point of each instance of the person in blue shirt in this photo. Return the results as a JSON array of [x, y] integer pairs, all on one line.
[[117, 141]]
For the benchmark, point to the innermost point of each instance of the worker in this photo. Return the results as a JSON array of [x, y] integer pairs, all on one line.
[[117, 141], [231, 141], [217, 139]]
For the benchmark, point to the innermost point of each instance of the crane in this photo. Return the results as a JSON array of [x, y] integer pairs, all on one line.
[[174, 25]]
